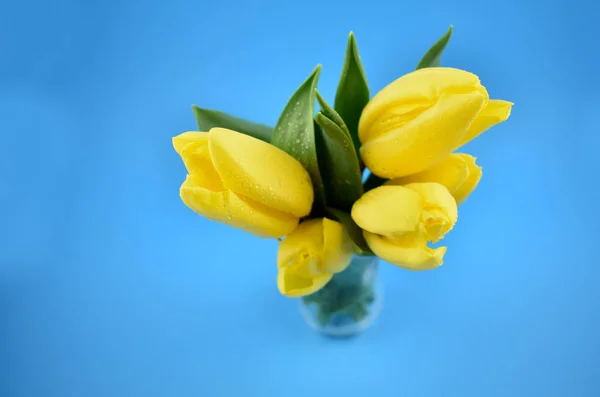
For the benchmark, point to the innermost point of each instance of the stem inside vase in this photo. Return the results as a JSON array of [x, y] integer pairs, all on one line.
[[349, 303]]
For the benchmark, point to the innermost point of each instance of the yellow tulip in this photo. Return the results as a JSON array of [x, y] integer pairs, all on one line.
[[243, 182], [399, 221], [308, 258], [419, 119], [458, 172]]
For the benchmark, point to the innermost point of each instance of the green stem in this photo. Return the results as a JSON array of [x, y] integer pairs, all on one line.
[[349, 293]]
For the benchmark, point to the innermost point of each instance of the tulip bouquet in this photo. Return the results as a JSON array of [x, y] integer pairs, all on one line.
[[366, 178]]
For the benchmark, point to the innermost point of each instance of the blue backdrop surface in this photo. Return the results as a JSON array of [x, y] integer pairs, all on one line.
[[110, 286]]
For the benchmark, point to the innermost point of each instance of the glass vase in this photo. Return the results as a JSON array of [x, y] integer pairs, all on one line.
[[349, 302]]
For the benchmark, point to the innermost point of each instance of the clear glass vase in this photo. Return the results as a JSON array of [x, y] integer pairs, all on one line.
[[349, 303]]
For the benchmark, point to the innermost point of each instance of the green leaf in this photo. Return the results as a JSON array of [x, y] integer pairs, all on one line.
[[294, 132], [354, 231], [358, 311], [338, 163], [331, 114], [353, 90], [207, 119], [433, 57]]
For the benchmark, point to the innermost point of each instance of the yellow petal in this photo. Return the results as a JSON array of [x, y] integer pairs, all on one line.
[[316, 246], [388, 210], [300, 258], [184, 139], [495, 112], [196, 157], [413, 92], [440, 211], [425, 140], [451, 172], [308, 257], [231, 209], [475, 173], [261, 172], [417, 257], [457, 172], [337, 247], [303, 244], [295, 285]]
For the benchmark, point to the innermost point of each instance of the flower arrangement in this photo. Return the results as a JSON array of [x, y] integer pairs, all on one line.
[[366, 178]]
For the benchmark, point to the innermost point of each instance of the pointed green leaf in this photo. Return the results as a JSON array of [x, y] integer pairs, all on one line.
[[295, 132], [354, 231], [338, 163], [433, 57], [353, 90], [331, 114], [207, 119]]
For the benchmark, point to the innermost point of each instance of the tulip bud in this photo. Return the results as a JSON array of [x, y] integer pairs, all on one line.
[[308, 258], [399, 221], [419, 119], [243, 182]]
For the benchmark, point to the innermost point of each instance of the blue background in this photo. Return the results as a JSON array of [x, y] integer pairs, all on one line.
[[110, 286]]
